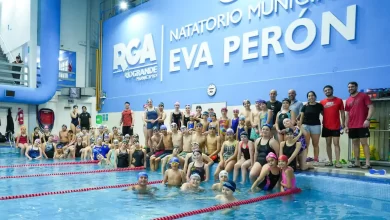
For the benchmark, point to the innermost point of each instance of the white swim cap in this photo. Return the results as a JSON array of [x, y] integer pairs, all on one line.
[[223, 173]]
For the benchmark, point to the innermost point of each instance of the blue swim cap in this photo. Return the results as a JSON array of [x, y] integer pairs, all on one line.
[[242, 118], [163, 127], [174, 159], [230, 184], [142, 174]]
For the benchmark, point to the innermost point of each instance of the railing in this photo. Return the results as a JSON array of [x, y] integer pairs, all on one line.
[[109, 8], [8, 74], [4, 45], [65, 79]]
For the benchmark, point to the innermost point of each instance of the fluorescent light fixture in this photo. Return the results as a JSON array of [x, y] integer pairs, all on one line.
[[123, 5]]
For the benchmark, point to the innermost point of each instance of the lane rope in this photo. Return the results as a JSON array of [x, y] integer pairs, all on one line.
[[74, 173], [73, 191], [51, 164], [229, 205]]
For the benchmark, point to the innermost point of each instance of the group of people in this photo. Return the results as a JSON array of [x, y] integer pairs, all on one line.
[[269, 142]]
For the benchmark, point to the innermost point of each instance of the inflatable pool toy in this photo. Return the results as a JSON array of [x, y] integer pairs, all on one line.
[[378, 172]]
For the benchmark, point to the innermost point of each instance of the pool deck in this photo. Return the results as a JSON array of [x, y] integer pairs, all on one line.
[[351, 171]]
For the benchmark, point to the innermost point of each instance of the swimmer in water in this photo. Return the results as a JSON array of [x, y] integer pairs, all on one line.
[[229, 187], [174, 176], [288, 178], [269, 176], [193, 184], [223, 177], [142, 186]]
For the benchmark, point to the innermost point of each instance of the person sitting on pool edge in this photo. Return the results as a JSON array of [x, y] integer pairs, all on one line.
[[269, 176], [229, 187], [142, 187], [193, 184], [34, 151], [223, 177], [174, 176]]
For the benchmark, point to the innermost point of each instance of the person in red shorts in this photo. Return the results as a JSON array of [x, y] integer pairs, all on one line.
[[359, 110], [333, 109]]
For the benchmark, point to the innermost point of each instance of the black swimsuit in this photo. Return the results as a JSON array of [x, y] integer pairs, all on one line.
[[123, 159], [138, 158], [199, 170], [186, 120], [270, 181], [78, 148], [36, 136], [263, 151], [176, 118], [288, 151]]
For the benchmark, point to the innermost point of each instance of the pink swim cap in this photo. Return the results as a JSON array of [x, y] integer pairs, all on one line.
[[236, 110], [271, 155], [192, 114]]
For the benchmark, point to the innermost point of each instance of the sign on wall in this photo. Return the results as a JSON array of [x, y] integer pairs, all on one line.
[[173, 52]]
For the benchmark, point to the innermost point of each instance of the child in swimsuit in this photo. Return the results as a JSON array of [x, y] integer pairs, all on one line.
[[241, 128], [288, 178], [193, 184], [223, 177], [174, 176], [229, 187], [35, 151], [269, 176], [235, 119], [191, 123]]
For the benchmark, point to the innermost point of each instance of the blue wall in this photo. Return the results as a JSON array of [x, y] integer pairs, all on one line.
[[363, 59]]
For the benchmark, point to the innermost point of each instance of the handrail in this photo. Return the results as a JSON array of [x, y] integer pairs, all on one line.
[[5, 45], [13, 64]]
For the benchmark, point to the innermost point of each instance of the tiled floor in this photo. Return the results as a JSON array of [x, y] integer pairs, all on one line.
[[352, 171]]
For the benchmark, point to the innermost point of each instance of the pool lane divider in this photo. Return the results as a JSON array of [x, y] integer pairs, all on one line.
[[52, 164], [74, 190], [74, 173], [229, 205]]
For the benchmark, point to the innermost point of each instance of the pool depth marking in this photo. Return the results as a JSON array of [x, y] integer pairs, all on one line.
[[229, 205], [51, 164], [74, 173], [73, 190]]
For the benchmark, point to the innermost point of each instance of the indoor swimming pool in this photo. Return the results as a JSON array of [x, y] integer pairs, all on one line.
[[322, 197]]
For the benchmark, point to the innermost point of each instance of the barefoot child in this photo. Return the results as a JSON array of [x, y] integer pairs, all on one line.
[[223, 177], [288, 178], [174, 176]]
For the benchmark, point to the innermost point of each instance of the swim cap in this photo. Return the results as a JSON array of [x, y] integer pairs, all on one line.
[[37, 141], [267, 125], [192, 114], [46, 127], [244, 133], [283, 158], [177, 103], [223, 173], [195, 175], [142, 174], [199, 124], [136, 136], [127, 136], [260, 101], [289, 131], [59, 146], [242, 118], [195, 143], [116, 141], [213, 114], [224, 109], [229, 131], [155, 128], [161, 104], [271, 155], [205, 113], [100, 127], [64, 125], [145, 105], [230, 184], [183, 127], [174, 159], [173, 124], [163, 127], [236, 110], [78, 126]]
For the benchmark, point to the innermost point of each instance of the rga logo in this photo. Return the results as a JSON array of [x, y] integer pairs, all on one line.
[[227, 1], [137, 59]]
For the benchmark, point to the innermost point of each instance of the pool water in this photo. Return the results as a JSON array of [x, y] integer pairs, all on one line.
[[322, 197]]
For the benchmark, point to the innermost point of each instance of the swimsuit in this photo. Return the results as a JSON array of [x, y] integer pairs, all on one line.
[[186, 120], [45, 138], [123, 159], [223, 125], [138, 158], [254, 135], [263, 151], [264, 118], [49, 150], [22, 139], [288, 151], [78, 148], [270, 181], [75, 121], [151, 115], [235, 122], [176, 118], [301, 139], [239, 132], [245, 151], [35, 137], [281, 117], [228, 151], [199, 170], [284, 179], [191, 125], [33, 153]]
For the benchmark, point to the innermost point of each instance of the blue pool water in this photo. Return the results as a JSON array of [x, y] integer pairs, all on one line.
[[322, 197]]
